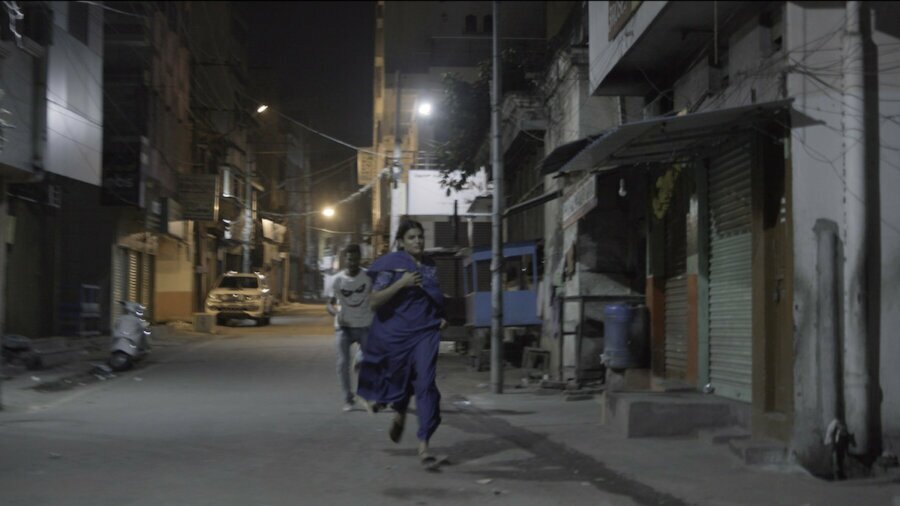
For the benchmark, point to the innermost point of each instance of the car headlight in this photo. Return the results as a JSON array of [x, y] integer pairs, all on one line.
[[212, 298], [251, 297]]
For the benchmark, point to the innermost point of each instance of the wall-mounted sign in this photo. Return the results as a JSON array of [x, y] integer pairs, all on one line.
[[366, 168], [197, 194], [580, 201], [620, 11], [122, 186]]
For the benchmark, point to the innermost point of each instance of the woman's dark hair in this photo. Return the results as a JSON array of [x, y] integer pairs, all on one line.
[[352, 248], [404, 227]]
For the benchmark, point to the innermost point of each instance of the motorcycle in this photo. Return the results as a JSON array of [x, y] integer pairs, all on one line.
[[130, 337]]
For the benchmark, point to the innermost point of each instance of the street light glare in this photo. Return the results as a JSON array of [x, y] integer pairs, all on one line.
[[328, 212], [425, 109], [262, 108]]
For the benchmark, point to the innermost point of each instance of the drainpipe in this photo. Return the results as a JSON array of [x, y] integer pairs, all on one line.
[[856, 373]]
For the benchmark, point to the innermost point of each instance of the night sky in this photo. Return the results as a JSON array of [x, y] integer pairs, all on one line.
[[317, 58]]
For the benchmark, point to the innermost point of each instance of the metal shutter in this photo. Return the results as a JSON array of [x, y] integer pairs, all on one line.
[[730, 274], [147, 283], [676, 287], [134, 271], [118, 284]]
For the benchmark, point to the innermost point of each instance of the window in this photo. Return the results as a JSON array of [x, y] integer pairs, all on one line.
[[78, 21], [488, 26], [471, 24], [238, 282]]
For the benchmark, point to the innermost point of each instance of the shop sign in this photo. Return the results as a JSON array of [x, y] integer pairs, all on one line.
[[581, 201], [197, 194], [620, 11]]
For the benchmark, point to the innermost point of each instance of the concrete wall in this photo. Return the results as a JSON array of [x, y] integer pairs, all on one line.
[[75, 99], [817, 158], [174, 281], [17, 85], [886, 37]]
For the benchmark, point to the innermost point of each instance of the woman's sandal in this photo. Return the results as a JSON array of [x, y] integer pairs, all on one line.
[[373, 407], [397, 427], [431, 462]]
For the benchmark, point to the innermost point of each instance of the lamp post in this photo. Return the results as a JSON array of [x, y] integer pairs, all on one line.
[[248, 204]]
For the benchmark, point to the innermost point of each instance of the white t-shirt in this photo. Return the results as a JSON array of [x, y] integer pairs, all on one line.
[[352, 293]]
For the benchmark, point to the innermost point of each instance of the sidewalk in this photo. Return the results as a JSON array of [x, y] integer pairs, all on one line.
[[691, 469], [22, 389]]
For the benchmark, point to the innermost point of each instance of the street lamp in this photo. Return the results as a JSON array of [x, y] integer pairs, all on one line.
[[328, 212], [424, 109], [248, 205]]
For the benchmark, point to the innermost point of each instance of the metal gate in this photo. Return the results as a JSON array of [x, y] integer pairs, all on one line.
[[676, 286], [730, 273]]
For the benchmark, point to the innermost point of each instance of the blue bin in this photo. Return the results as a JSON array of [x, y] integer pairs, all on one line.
[[617, 343]]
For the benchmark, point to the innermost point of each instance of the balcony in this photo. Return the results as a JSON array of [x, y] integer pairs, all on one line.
[[524, 120], [639, 47]]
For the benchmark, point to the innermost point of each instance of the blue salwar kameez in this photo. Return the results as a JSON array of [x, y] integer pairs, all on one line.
[[400, 358]]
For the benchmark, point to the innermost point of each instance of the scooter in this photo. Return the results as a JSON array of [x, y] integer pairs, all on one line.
[[130, 337]]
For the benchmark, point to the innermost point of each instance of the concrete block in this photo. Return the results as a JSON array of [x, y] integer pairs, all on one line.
[[628, 380], [759, 452], [719, 436], [656, 414], [204, 322]]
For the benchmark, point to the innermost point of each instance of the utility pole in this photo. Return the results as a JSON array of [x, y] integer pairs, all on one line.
[[496, 218], [397, 169]]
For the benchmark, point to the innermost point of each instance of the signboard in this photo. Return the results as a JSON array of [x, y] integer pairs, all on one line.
[[620, 11], [197, 194], [427, 197], [581, 201], [122, 186], [173, 218], [366, 167]]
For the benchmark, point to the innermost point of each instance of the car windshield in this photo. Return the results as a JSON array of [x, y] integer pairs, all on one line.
[[238, 282]]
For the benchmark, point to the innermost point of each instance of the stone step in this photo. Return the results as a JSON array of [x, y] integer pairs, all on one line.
[[665, 414], [722, 435], [760, 452]]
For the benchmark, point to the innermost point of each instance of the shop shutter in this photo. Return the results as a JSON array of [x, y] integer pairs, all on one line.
[[676, 287], [147, 283], [118, 283], [730, 274], [134, 271]]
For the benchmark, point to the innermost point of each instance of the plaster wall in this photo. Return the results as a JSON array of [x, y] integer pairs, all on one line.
[[17, 86], [813, 39], [75, 99], [886, 37]]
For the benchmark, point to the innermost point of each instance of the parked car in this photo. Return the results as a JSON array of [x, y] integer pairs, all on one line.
[[240, 296]]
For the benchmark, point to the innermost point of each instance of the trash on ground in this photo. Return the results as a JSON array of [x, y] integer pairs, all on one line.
[[484, 481]]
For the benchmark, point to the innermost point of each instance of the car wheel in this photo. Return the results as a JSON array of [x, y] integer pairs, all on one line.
[[120, 361]]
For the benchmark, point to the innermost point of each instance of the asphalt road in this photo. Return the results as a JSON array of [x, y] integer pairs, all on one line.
[[253, 417]]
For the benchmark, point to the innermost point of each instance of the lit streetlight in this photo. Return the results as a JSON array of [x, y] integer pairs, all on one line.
[[262, 108], [328, 212], [425, 109]]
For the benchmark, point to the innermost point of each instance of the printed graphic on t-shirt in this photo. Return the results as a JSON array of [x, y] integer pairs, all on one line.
[[352, 292]]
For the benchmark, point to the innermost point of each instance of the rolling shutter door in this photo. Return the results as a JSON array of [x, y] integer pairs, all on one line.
[[134, 261], [676, 288], [730, 274]]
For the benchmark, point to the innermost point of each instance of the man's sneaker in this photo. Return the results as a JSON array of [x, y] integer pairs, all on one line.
[[348, 406]]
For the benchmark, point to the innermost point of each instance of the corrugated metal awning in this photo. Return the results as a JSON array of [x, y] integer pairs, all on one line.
[[668, 139]]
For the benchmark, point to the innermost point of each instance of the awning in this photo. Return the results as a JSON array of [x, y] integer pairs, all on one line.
[[562, 154], [668, 139]]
